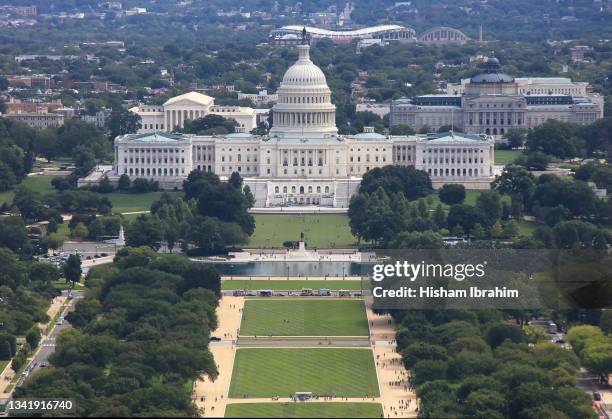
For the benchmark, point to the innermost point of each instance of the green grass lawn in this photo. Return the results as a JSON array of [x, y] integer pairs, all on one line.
[[471, 196], [324, 230], [121, 202], [304, 410], [506, 156], [291, 285], [40, 184], [304, 317], [134, 202], [526, 228], [267, 372]]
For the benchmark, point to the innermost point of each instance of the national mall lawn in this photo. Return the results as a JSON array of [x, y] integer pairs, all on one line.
[[268, 372], [304, 317], [304, 410]]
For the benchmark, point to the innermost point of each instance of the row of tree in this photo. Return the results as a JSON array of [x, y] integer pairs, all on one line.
[[211, 216], [140, 339], [478, 364]]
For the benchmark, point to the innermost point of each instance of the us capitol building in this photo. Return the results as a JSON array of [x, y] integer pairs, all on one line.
[[303, 160]]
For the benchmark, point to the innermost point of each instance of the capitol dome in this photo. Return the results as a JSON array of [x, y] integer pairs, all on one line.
[[304, 107], [304, 71]]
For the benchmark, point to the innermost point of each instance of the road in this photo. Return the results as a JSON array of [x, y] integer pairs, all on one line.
[[47, 344]]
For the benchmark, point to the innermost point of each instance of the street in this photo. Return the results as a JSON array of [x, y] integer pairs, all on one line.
[[47, 344]]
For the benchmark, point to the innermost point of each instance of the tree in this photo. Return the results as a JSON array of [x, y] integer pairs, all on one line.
[[516, 181], [357, 214], [534, 160], [8, 346], [499, 332], [419, 351], [511, 229], [497, 230], [72, 269], [417, 240], [52, 226], [210, 124], [401, 129], [425, 129], [428, 370], [439, 217], [466, 216], [33, 337], [30, 203], [80, 231], [122, 121], [13, 234], [516, 137], [84, 160], [407, 180], [478, 232], [124, 184], [452, 193], [490, 204], [145, 230], [555, 138]]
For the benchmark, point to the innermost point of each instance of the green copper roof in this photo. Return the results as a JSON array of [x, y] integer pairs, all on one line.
[[453, 137], [368, 136], [157, 136]]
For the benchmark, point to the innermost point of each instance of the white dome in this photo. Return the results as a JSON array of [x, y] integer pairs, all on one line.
[[304, 107], [304, 72]]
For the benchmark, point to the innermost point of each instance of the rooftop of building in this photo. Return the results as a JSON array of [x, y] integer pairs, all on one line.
[[347, 33]]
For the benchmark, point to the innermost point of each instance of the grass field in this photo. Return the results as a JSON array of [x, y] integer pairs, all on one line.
[[304, 410], [267, 372], [506, 156], [324, 230], [471, 196], [304, 318], [134, 202], [291, 285], [40, 184], [121, 202], [526, 228]]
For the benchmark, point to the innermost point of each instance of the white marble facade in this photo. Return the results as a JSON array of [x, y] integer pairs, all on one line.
[[189, 106], [303, 160]]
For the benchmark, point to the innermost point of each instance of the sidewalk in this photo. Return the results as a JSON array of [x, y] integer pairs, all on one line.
[[396, 397], [210, 396]]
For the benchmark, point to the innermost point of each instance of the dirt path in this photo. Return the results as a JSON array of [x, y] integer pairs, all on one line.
[[211, 396], [396, 397]]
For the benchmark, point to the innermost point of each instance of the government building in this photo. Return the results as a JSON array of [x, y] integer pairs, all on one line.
[[303, 160], [175, 111], [493, 102]]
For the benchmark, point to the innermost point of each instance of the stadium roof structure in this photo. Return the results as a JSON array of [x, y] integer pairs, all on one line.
[[355, 33]]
